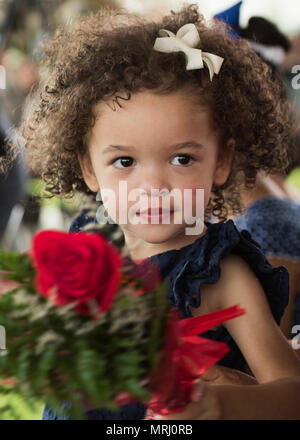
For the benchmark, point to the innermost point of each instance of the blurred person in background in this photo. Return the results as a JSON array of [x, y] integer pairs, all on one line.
[[12, 184], [17, 29], [23, 27]]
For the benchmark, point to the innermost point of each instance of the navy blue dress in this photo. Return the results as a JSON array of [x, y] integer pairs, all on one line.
[[188, 269]]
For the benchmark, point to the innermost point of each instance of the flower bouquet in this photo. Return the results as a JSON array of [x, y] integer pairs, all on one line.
[[86, 325]]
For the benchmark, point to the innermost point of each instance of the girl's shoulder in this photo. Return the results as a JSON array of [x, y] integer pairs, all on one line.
[[200, 263]]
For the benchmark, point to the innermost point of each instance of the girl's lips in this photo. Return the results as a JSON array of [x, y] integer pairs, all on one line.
[[156, 211]]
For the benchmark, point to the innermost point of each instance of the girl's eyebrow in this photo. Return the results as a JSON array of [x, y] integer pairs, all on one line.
[[175, 147]]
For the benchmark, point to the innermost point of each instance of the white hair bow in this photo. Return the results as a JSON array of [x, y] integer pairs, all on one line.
[[186, 39]]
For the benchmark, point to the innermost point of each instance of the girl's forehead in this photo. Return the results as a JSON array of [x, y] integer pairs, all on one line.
[[149, 121], [151, 109], [180, 98]]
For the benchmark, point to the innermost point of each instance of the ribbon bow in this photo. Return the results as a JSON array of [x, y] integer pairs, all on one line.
[[186, 40]]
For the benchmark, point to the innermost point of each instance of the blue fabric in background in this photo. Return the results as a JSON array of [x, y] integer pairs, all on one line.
[[231, 16], [275, 224]]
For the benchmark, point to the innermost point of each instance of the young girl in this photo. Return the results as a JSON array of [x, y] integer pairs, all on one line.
[[176, 105]]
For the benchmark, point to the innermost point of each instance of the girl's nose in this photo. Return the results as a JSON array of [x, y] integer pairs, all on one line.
[[155, 189], [154, 182]]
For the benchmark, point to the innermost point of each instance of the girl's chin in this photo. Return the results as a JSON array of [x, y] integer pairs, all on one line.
[[155, 234]]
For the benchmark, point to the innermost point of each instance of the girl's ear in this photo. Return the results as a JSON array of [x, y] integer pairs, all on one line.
[[224, 161], [88, 172]]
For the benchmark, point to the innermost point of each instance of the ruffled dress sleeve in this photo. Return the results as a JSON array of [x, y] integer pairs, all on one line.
[[199, 264]]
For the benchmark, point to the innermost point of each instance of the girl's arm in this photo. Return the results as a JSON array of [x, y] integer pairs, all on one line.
[[266, 350]]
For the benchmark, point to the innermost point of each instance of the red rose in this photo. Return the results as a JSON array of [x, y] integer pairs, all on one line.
[[80, 267]]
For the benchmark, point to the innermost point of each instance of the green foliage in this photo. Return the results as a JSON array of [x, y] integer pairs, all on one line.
[[13, 406], [19, 266], [158, 325], [294, 177]]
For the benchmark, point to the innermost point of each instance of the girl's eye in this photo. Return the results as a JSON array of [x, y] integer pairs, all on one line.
[[125, 162], [184, 159]]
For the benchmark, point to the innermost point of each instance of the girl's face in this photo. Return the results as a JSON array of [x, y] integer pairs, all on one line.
[[154, 143]]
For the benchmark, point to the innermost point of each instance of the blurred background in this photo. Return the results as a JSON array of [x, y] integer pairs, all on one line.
[[272, 27]]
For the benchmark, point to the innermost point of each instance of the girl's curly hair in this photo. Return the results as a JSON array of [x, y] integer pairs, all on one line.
[[111, 52]]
